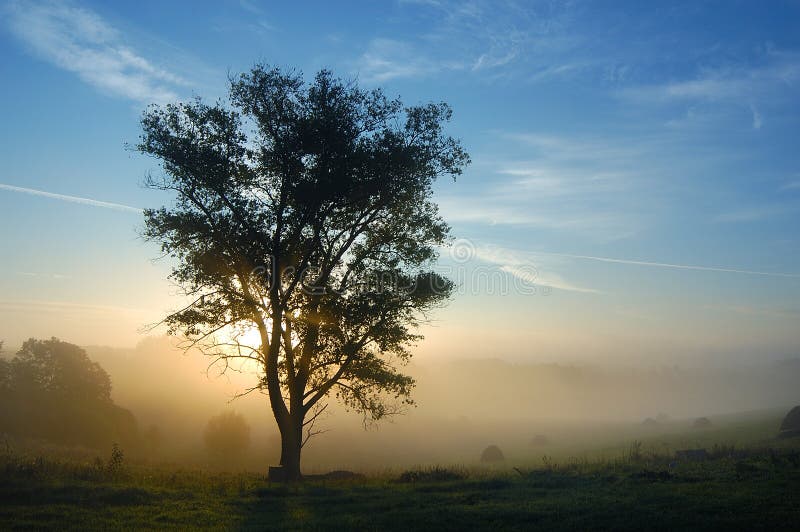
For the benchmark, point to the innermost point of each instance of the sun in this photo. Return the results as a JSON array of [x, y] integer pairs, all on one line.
[[238, 342], [249, 336]]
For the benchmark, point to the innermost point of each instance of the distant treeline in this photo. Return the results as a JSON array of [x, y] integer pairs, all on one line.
[[52, 390]]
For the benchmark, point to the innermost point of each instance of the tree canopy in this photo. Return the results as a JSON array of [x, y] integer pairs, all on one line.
[[51, 389], [227, 438], [304, 210]]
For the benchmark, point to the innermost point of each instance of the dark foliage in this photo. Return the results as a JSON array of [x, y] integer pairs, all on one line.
[[790, 426], [227, 438], [52, 390], [492, 454]]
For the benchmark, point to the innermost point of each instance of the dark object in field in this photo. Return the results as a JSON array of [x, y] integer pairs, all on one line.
[[692, 455], [701, 423], [650, 422], [492, 454], [540, 440], [790, 427]]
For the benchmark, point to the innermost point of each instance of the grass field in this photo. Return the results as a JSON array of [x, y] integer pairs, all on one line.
[[753, 486]]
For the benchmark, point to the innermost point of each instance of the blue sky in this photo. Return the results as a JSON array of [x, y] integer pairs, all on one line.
[[640, 161]]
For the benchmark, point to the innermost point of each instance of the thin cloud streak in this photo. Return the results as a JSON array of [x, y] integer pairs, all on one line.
[[66, 307], [72, 199], [520, 266], [668, 265]]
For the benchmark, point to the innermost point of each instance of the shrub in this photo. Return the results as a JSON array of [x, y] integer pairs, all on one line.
[[492, 454]]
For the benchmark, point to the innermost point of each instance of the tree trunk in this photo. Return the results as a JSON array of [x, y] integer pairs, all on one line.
[[291, 443]]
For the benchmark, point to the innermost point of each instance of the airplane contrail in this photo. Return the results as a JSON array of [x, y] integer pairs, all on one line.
[[72, 199], [668, 265], [128, 208]]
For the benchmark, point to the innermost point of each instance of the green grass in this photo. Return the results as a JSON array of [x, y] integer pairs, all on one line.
[[745, 488]]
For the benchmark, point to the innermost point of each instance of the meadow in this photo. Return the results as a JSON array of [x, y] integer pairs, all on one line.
[[750, 480]]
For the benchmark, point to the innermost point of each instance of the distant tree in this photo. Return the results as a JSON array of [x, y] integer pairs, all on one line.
[[304, 211], [51, 389], [227, 437], [5, 371], [61, 368]]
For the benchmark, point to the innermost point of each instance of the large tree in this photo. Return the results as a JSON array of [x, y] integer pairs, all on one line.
[[303, 210]]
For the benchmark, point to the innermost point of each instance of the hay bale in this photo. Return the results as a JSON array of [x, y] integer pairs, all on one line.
[[492, 454], [790, 427], [701, 423]]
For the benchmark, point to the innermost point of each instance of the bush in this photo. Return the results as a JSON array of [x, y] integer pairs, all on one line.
[[492, 454]]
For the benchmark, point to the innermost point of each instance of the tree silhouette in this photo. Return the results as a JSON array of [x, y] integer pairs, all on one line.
[[61, 369], [52, 389], [227, 437], [304, 210]]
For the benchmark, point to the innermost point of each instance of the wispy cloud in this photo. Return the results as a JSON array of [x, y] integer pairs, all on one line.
[[71, 199], [487, 60], [573, 185], [668, 265], [710, 88], [772, 77], [486, 38], [66, 307], [752, 214], [494, 209], [752, 310], [388, 59], [526, 268], [758, 120], [534, 268], [251, 7], [56, 276], [80, 41]]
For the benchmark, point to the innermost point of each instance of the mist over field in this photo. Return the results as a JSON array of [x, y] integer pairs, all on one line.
[[462, 406]]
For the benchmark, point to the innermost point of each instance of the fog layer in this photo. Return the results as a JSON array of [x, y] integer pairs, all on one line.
[[461, 406]]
